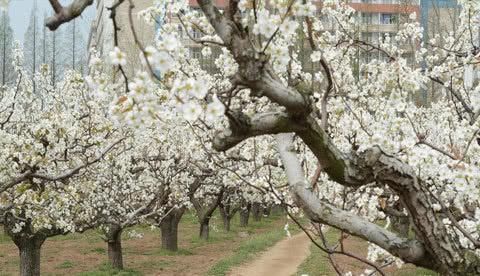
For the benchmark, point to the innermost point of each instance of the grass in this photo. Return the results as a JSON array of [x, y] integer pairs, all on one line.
[[250, 248], [317, 263], [107, 270], [66, 264], [244, 241], [4, 238], [99, 250], [164, 252], [416, 272]]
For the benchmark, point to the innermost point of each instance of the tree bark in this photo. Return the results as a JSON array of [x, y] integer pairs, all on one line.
[[29, 251], [204, 229], [244, 216], [257, 211], [225, 217], [169, 229], [435, 247], [114, 241], [226, 223], [205, 212], [401, 225], [227, 211], [267, 211]]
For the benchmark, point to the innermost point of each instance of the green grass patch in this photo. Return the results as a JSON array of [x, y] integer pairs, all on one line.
[[415, 271], [107, 270], [317, 263], [99, 250], [164, 252], [247, 251], [3, 237], [65, 265]]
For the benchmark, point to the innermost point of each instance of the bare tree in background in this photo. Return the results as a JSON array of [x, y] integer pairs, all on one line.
[[6, 46]]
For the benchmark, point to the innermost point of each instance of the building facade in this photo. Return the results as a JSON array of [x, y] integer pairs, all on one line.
[[438, 16], [102, 32], [376, 19]]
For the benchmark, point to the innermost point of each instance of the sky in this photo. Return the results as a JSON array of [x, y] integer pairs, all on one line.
[[19, 12]]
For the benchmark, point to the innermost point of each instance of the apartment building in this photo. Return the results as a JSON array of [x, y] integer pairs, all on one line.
[[439, 16], [380, 18], [102, 31], [376, 19]]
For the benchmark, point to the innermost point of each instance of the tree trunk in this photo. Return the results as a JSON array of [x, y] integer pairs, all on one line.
[[257, 211], [226, 223], [226, 217], [29, 249], [267, 211], [115, 255], [244, 215], [204, 229], [169, 228]]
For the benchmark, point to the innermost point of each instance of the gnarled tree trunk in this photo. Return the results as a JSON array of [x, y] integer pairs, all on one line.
[[205, 212], [169, 229], [114, 241], [29, 248], [257, 211], [227, 213], [267, 211], [244, 215], [225, 217], [205, 228]]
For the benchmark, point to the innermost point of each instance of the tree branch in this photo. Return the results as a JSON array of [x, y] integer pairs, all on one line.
[[31, 174], [261, 124], [409, 250], [66, 14], [77, 169]]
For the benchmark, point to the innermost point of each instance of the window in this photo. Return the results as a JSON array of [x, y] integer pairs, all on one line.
[[370, 37], [196, 53], [388, 18], [370, 18], [196, 33]]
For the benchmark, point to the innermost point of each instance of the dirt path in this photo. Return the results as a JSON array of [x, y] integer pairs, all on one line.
[[280, 260]]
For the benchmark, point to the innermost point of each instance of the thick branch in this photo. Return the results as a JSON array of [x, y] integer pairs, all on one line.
[[261, 124], [65, 14], [409, 250], [57, 7], [254, 71], [219, 22]]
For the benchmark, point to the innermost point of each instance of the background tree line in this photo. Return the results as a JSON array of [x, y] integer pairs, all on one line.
[[59, 51]]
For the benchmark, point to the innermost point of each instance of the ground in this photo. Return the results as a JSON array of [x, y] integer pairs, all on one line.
[[225, 253], [282, 259], [85, 254], [317, 264]]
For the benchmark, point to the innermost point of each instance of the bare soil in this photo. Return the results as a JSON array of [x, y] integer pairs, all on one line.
[[77, 253], [280, 260]]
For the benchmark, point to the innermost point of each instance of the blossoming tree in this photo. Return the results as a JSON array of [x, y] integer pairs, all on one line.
[[50, 140], [365, 131]]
